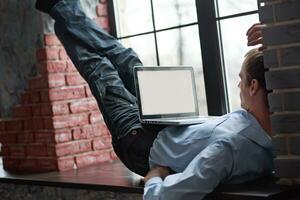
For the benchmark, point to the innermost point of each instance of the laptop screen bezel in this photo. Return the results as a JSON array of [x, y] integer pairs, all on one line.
[[164, 68]]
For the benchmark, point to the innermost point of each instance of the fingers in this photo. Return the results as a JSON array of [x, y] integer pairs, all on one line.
[[254, 39], [254, 34], [261, 48], [251, 28]]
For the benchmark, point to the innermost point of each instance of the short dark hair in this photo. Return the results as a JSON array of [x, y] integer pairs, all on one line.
[[254, 67]]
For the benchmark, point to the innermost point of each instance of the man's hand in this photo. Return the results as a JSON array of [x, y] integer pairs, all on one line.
[[254, 34], [158, 171]]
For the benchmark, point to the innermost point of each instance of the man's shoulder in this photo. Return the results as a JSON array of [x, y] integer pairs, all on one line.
[[235, 122]]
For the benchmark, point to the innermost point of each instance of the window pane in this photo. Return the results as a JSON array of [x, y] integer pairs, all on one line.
[[234, 48], [230, 7], [170, 13], [182, 47], [144, 46], [133, 17]]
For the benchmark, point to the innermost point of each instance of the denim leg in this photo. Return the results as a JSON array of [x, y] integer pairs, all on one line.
[[118, 106], [69, 13]]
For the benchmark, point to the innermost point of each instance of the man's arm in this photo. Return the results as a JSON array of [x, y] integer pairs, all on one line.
[[210, 167]]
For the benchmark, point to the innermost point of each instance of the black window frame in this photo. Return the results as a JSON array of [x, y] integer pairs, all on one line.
[[211, 50]]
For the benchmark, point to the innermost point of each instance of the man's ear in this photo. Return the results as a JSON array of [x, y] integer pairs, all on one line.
[[254, 87]]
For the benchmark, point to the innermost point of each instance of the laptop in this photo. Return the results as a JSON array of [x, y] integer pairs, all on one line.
[[167, 95]]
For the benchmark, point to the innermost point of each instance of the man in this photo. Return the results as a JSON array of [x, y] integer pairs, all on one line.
[[232, 149], [212, 156]]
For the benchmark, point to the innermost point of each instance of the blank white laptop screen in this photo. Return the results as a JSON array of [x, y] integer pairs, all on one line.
[[166, 92]]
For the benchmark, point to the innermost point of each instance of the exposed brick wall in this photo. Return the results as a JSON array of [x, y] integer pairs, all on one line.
[[57, 125], [282, 57]]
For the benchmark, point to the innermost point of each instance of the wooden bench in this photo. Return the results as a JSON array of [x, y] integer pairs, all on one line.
[[115, 181]]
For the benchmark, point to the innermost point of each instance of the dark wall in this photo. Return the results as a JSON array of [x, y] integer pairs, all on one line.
[[21, 31]]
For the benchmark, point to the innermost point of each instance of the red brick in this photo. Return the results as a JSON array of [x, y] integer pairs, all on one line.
[[5, 150], [74, 79], [14, 125], [70, 120], [8, 138], [47, 164], [36, 109], [94, 130], [2, 125], [38, 123], [102, 9], [62, 94], [51, 40], [67, 148], [88, 91], [25, 98], [96, 117], [28, 124], [51, 150], [48, 122], [66, 163], [36, 150], [60, 109], [22, 111], [63, 136], [83, 106], [53, 67], [28, 165], [47, 53], [50, 81], [100, 143], [85, 145], [78, 134], [25, 137], [103, 128], [56, 80], [11, 163], [73, 147], [45, 109], [17, 150], [91, 130], [37, 83], [44, 137], [71, 67], [92, 158], [53, 136], [113, 155], [35, 97], [93, 105], [63, 54]]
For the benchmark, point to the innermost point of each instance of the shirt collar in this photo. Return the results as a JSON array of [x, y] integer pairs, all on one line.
[[258, 134]]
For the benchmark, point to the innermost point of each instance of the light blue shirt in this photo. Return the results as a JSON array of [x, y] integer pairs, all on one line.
[[230, 149]]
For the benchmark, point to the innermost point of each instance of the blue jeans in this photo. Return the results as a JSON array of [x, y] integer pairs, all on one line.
[[107, 67]]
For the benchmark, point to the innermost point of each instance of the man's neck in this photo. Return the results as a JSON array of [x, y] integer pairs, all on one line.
[[262, 115]]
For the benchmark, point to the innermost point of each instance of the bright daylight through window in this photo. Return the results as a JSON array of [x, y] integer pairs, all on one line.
[[166, 33]]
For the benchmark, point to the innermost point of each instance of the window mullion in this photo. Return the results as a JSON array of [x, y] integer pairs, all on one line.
[[155, 35], [217, 100]]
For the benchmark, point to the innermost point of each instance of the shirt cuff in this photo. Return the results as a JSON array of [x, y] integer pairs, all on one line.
[[153, 181]]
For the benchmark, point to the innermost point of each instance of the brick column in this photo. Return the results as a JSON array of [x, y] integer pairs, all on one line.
[[282, 57], [57, 125]]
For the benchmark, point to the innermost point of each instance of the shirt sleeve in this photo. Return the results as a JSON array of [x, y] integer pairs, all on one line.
[[204, 173]]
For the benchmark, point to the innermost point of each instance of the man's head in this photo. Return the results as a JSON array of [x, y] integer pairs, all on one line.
[[252, 81]]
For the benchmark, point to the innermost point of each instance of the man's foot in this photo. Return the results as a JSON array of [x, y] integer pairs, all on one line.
[[45, 5]]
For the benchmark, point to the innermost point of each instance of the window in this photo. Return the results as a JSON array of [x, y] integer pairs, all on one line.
[[163, 33], [169, 32], [233, 19]]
